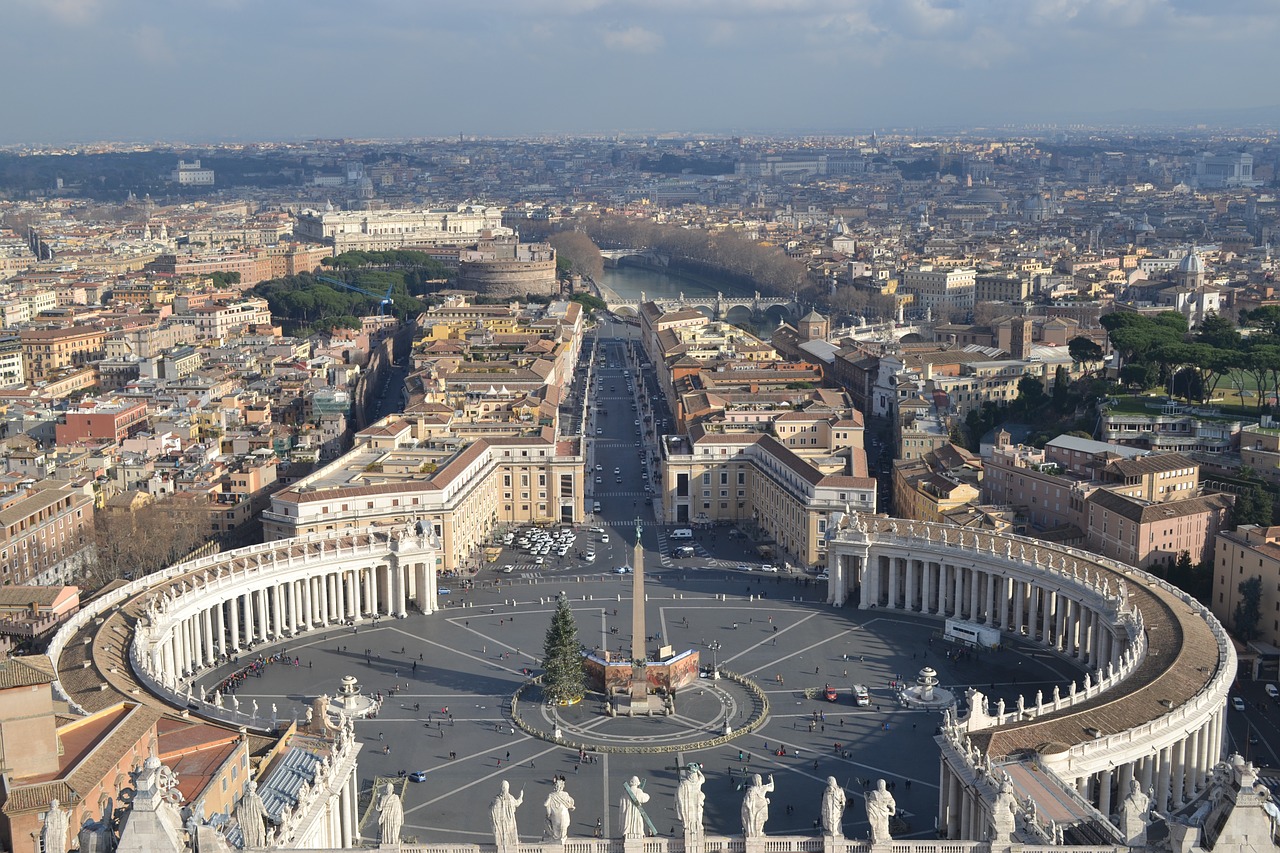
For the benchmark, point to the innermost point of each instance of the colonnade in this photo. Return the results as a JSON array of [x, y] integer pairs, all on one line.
[[1081, 607], [1034, 607]]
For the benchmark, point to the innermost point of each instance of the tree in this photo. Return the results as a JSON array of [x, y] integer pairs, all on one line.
[[579, 252], [564, 679], [1218, 331], [1253, 506], [1248, 611], [589, 300], [1030, 393], [1084, 351]]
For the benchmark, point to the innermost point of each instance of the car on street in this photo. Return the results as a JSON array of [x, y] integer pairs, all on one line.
[[604, 538], [418, 776], [444, 590], [508, 569], [540, 560], [744, 568], [824, 577], [773, 569], [1237, 703], [622, 570]]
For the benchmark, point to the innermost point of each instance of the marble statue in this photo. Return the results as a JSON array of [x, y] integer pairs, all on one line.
[[502, 816], [1134, 813], [880, 807], [390, 815], [250, 814], [833, 802], [558, 805], [690, 799], [1004, 813], [631, 808], [255, 709], [217, 700], [755, 807], [54, 832]]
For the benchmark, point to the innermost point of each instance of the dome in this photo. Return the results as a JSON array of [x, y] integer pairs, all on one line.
[[1035, 204], [1191, 264], [1144, 225]]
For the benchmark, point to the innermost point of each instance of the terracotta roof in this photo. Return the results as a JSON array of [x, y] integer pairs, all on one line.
[[1143, 512], [26, 671]]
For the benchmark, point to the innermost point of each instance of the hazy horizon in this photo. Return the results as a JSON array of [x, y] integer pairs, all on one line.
[[230, 70]]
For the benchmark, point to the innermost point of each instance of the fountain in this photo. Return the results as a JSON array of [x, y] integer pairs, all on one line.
[[350, 702], [926, 693]]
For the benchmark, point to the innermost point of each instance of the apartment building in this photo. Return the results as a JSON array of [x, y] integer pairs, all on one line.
[[1145, 534], [45, 352], [721, 473], [103, 420], [930, 487], [397, 474], [940, 290], [1239, 555], [46, 533], [217, 321], [1001, 287], [1260, 449]]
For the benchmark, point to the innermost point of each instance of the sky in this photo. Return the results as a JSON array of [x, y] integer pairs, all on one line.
[[249, 70]]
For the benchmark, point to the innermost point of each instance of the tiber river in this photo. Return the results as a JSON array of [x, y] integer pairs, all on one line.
[[628, 282]]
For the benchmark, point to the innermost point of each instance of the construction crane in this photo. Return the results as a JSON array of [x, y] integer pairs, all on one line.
[[384, 299]]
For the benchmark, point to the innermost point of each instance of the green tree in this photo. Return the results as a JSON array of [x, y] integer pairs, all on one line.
[[590, 300], [1084, 351], [1253, 506], [564, 679], [1218, 331], [1248, 611]]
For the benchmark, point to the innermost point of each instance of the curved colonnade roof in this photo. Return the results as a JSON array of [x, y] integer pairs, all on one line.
[[1181, 659], [104, 640]]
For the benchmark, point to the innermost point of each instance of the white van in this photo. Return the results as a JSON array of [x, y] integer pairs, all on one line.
[[682, 533], [1272, 691]]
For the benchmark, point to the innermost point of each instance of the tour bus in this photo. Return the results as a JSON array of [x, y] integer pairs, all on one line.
[[960, 631], [682, 533]]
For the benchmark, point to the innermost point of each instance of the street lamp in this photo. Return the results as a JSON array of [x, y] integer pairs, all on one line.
[[714, 645]]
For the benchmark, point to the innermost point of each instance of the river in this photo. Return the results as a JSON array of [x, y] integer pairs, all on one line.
[[629, 282]]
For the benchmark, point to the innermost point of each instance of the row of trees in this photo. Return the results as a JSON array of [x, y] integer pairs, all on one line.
[[390, 259], [763, 267], [577, 253], [305, 305], [1159, 350]]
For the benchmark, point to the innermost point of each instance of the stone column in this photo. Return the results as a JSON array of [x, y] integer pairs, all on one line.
[[1162, 782], [277, 610], [234, 610], [957, 604], [1179, 782], [975, 593], [1125, 778], [892, 601], [926, 580], [1046, 616], [374, 571], [210, 651], [397, 607], [220, 627], [1104, 792], [996, 598]]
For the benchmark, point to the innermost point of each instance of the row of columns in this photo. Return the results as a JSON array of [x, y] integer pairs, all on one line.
[[283, 609], [1176, 773], [1011, 604]]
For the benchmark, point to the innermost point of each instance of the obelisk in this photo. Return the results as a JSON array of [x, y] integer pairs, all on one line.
[[639, 681]]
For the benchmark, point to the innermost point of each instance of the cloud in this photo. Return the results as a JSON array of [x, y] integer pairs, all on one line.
[[71, 12], [152, 45], [633, 39]]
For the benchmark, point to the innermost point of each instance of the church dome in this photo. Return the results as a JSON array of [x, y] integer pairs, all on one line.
[[1191, 264]]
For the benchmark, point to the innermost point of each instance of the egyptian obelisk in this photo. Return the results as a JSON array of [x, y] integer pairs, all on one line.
[[639, 681]]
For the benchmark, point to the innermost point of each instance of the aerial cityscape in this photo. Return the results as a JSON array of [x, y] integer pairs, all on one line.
[[592, 427]]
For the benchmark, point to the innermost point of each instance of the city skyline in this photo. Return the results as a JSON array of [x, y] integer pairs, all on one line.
[[108, 70]]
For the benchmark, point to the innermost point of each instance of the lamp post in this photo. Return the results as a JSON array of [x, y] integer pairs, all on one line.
[[714, 645]]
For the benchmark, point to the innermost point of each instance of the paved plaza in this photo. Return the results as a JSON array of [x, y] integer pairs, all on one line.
[[454, 672]]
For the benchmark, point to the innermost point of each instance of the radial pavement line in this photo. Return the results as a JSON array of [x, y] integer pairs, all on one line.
[[497, 771]]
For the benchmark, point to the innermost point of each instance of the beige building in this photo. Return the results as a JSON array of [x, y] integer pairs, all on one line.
[[397, 474], [1247, 552], [721, 474]]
